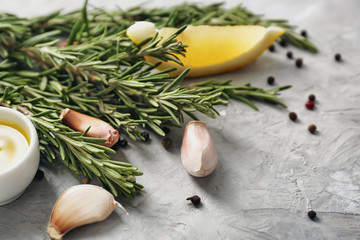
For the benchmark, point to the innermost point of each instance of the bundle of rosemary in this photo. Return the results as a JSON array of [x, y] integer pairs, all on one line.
[[98, 71]]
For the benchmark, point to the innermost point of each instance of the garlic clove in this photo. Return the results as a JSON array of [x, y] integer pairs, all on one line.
[[99, 128], [80, 205], [141, 31], [198, 152]]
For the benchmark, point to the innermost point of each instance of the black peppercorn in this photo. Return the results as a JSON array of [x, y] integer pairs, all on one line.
[[195, 200], [166, 130], [293, 116], [289, 54], [283, 42], [312, 214], [116, 145], [145, 135], [167, 143], [272, 48], [39, 175], [123, 143], [84, 180], [312, 97], [312, 128], [338, 57], [299, 62], [304, 33], [271, 80]]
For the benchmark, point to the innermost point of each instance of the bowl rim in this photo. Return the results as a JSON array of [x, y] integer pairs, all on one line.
[[33, 138]]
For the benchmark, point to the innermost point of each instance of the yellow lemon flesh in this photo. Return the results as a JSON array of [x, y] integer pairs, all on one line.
[[217, 49]]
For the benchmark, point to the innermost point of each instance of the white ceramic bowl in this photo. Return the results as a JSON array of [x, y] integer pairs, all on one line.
[[15, 179]]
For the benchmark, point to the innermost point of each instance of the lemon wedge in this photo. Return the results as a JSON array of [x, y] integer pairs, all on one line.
[[215, 49]]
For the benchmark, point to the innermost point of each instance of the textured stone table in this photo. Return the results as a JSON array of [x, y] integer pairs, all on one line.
[[271, 171]]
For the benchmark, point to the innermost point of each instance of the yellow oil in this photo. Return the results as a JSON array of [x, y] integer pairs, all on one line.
[[14, 144], [18, 128]]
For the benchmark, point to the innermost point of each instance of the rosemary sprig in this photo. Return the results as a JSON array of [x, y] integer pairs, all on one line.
[[177, 16], [242, 93], [79, 153], [100, 72], [93, 77]]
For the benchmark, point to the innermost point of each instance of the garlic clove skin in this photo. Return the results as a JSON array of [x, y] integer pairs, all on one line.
[[198, 152], [80, 205], [99, 128]]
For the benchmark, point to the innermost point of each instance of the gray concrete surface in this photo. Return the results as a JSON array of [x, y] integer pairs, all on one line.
[[271, 170]]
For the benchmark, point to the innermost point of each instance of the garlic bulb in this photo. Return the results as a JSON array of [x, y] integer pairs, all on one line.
[[80, 205], [198, 152]]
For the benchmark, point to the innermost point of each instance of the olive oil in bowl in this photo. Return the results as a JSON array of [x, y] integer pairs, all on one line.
[[14, 143]]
